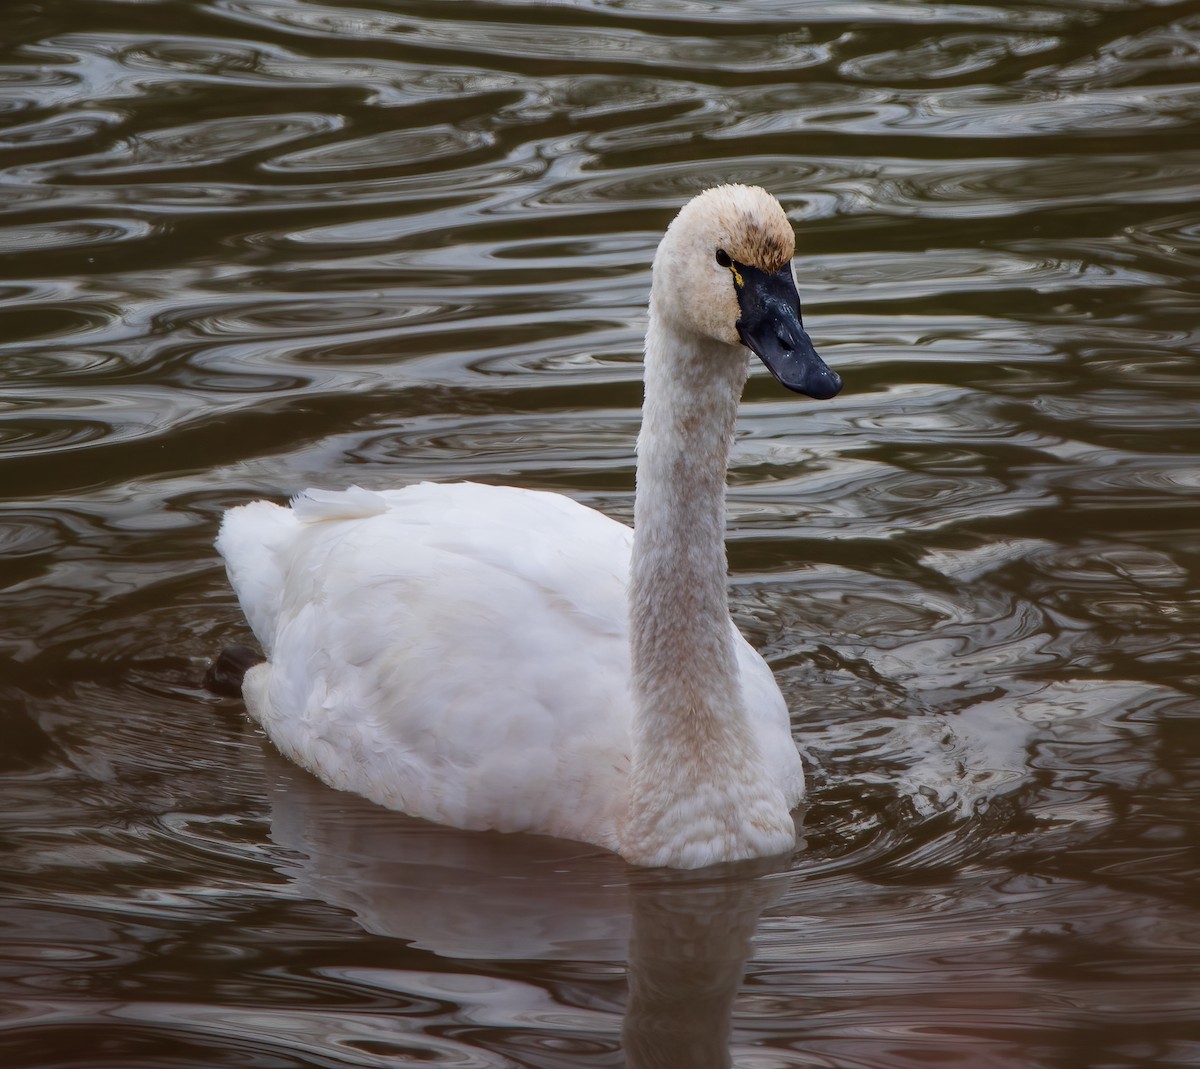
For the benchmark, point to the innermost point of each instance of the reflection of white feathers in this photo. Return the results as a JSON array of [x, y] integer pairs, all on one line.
[[496, 658], [682, 937], [461, 896]]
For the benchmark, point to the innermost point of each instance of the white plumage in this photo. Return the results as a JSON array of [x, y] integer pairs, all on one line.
[[478, 656], [473, 671]]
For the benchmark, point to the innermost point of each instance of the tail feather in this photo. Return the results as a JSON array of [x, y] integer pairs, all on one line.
[[254, 541]]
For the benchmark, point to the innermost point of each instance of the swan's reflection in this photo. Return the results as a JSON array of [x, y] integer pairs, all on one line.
[[685, 936]]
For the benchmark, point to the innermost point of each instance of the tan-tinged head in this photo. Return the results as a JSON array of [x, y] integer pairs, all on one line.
[[723, 271], [751, 224]]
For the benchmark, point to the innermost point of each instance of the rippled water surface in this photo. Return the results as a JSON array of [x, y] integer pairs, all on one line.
[[248, 246]]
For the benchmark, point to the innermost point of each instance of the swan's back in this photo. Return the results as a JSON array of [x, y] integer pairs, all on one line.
[[456, 651]]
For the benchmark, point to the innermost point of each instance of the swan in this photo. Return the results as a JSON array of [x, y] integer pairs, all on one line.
[[489, 657]]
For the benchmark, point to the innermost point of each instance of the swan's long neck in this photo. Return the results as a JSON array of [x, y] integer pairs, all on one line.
[[697, 777], [683, 656]]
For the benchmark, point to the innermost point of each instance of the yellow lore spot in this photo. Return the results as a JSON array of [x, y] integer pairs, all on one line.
[[737, 275]]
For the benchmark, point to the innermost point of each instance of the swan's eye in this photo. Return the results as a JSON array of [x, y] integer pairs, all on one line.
[[723, 258]]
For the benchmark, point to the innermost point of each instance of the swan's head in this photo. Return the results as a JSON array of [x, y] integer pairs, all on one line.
[[724, 270]]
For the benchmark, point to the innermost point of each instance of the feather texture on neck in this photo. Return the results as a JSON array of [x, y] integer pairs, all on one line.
[[698, 785]]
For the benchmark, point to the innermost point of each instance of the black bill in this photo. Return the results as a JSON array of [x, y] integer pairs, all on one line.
[[771, 327]]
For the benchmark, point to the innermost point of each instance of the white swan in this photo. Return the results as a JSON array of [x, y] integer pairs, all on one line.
[[490, 657]]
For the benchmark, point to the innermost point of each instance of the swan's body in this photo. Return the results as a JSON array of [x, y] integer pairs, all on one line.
[[475, 671], [489, 657]]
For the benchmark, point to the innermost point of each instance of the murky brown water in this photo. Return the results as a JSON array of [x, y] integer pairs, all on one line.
[[253, 245]]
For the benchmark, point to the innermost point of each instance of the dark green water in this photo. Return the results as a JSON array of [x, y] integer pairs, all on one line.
[[248, 246]]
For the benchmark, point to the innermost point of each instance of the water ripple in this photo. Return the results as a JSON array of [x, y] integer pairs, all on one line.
[[500, 41], [416, 147], [947, 56], [38, 237], [208, 143], [1159, 53]]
